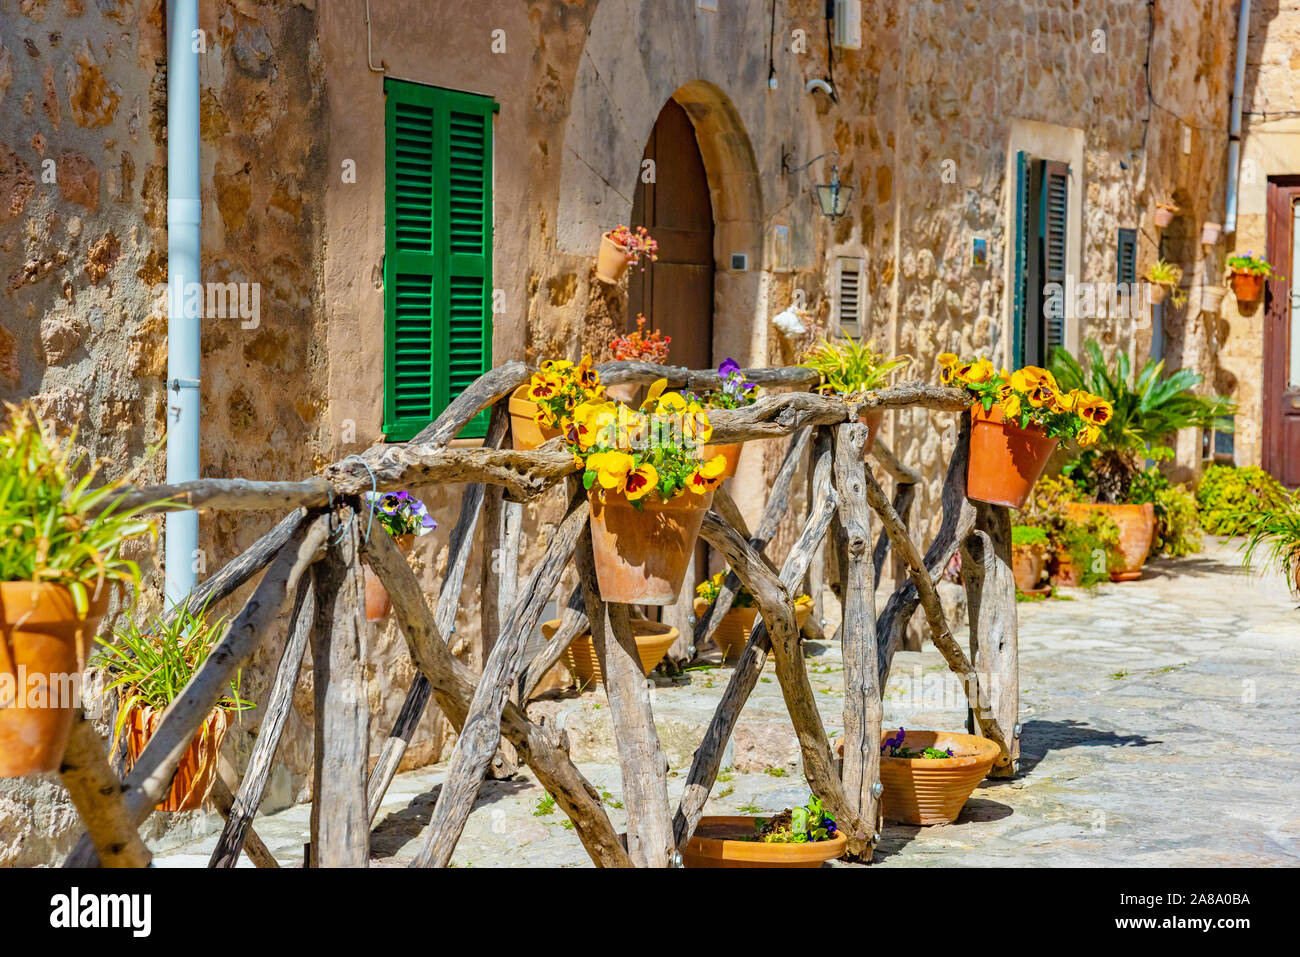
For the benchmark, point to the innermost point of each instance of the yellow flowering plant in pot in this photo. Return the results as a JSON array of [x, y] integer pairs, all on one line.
[[733, 631], [539, 407], [1017, 419], [649, 486]]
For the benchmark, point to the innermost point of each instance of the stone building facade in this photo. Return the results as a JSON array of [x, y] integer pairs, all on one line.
[[930, 117]]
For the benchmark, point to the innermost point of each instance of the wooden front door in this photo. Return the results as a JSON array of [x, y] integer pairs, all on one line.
[[675, 294], [1281, 393]]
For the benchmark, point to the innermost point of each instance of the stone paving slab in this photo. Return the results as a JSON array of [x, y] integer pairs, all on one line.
[[1160, 727]]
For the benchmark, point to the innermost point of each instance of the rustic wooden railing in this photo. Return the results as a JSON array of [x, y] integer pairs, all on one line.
[[314, 554]]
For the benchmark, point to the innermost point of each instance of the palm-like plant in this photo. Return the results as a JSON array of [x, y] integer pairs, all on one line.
[[848, 367], [1149, 407], [1277, 530]]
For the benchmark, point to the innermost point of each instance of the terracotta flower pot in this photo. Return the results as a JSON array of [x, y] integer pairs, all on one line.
[[378, 604], [1028, 563], [1137, 528], [732, 633], [933, 790], [653, 639], [43, 649], [1005, 460], [718, 842], [1164, 215], [730, 451], [1210, 233], [611, 260], [1064, 572], [872, 420], [525, 433], [1247, 286], [198, 767], [624, 392], [1159, 292], [1212, 298], [642, 554]]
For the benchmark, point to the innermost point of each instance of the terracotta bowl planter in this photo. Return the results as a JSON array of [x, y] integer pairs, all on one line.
[[198, 767], [1028, 562], [717, 843], [1137, 528], [1247, 287], [872, 420], [925, 791], [730, 451], [653, 639], [525, 433], [378, 604], [1005, 460], [611, 260], [43, 643], [642, 554], [732, 633]]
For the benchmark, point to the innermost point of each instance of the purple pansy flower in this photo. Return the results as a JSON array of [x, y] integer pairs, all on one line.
[[893, 741], [729, 365]]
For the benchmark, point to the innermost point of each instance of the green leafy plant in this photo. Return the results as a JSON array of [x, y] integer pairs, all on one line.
[[1229, 497], [1169, 275], [1277, 531], [1087, 541], [545, 805], [1178, 530], [848, 367], [1027, 535], [799, 825], [1148, 407], [58, 529], [150, 664], [1253, 265]]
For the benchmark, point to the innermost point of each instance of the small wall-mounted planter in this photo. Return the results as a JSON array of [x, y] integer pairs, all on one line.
[[1159, 292], [1212, 298], [1210, 233], [1005, 460], [612, 261], [1248, 287], [1164, 214]]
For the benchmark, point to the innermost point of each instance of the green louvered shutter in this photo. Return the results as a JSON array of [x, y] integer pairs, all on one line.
[[1054, 217], [1020, 276], [438, 253], [1126, 257]]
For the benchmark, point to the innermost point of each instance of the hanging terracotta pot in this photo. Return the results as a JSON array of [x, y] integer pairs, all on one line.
[[730, 451], [1005, 460], [1164, 215], [642, 554], [1028, 562], [378, 604], [924, 791], [653, 639], [1210, 233], [198, 768], [525, 433], [872, 420], [721, 842], [1247, 286], [1212, 298], [1137, 528], [611, 260], [43, 649], [1159, 292]]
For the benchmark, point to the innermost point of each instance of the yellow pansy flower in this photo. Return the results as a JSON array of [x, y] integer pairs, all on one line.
[[641, 481], [1095, 410], [973, 373], [611, 468], [543, 386], [695, 425], [1088, 435], [948, 359]]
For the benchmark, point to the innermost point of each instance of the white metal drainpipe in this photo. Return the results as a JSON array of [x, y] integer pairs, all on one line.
[[183, 311], [1234, 130]]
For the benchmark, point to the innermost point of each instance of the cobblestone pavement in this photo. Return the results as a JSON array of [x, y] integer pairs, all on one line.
[[1161, 726]]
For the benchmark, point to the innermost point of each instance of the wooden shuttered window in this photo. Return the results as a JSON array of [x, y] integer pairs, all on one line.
[[1020, 278], [1126, 256], [437, 253], [1054, 220]]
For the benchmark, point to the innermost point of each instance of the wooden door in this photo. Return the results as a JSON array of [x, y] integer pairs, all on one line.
[[1281, 393], [675, 294]]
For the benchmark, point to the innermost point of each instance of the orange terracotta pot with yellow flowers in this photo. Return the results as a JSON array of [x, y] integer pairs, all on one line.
[[539, 407], [1017, 419], [649, 486]]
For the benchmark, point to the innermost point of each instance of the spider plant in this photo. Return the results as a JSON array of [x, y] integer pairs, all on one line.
[[1149, 407], [1277, 530], [1169, 275], [150, 664], [848, 367], [58, 529]]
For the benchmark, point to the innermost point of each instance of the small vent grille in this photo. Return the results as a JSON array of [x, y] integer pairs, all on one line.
[[850, 297]]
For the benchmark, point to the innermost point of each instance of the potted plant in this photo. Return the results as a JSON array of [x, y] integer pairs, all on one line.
[[797, 837], [1017, 419], [928, 776], [1030, 551], [1164, 214], [736, 392], [1164, 278], [1247, 274], [637, 346], [60, 562], [1148, 407], [149, 666], [622, 247], [653, 639], [1212, 298], [404, 517], [539, 405], [1277, 530], [852, 369], [732, 632], [1210, 233]]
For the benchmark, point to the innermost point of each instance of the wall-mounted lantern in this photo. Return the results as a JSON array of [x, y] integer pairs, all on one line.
[[832, 197]]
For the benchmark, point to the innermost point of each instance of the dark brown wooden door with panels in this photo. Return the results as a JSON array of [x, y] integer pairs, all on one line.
[[1281, 318]]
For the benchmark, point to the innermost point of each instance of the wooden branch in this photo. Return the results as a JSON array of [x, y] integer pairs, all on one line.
[[773, 600], [906, 479], [936, 398], [232, 494], [744, 677], [573, 622], [481, 732], [819, 488], [96, 793], [702, 380], [641, 759], [991, 600], [488, 389], [274, 715], [543, 749], [958, 520], [224, 801], [153, 771], [863, 710]]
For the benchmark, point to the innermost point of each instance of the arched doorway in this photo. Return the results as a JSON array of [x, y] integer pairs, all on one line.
[[675, 293]]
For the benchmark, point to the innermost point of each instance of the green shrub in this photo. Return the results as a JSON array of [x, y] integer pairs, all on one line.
[[1178, 528], [1229, 498], [1028, 535], [1087, 541]]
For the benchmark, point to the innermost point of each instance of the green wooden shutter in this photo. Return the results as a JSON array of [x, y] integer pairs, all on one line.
[[1054, 216], [1020, 275], [1126, 257], [438, 253]]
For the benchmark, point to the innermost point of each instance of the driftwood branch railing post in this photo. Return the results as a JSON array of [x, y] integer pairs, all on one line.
[[97, 795]]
